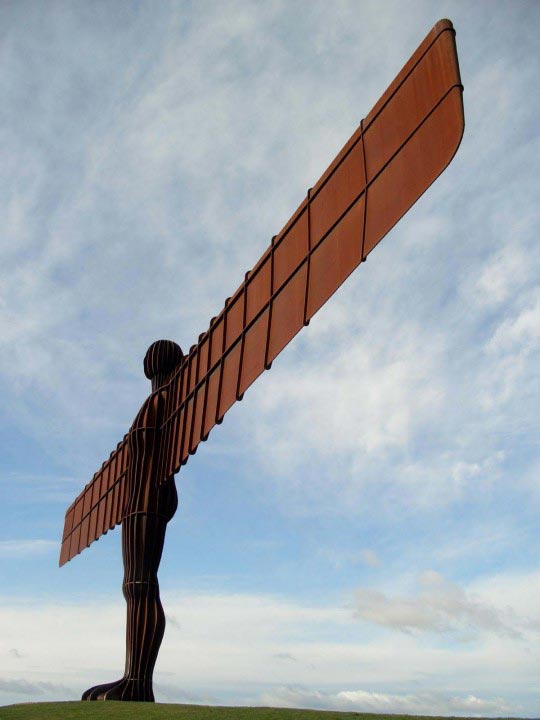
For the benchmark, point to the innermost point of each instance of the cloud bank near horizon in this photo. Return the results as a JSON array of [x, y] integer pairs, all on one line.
[[296, 655]]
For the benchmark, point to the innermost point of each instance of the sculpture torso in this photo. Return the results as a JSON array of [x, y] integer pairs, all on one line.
[[147, 495]]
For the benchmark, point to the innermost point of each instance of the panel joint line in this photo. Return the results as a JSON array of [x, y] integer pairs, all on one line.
[[362, 255], [306, 321]]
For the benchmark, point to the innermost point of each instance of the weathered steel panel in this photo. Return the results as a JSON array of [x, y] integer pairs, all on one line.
[[287, 312], [254, 351], [290, 250], [335, 258], [82, 516]]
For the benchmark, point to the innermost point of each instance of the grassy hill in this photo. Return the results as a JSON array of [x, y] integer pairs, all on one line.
[[150, 711]]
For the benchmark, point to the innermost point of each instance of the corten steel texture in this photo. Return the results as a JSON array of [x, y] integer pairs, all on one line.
[[399, 149]]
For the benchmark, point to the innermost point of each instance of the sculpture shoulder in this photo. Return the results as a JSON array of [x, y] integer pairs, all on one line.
[[149, 416]]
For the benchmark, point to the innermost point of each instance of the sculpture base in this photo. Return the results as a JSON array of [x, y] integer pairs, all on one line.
[[128, 689]]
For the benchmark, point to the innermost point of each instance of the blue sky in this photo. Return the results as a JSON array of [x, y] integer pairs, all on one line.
[[384, 558]]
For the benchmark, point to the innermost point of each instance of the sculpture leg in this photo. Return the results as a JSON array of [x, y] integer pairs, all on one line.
[[143, 535]]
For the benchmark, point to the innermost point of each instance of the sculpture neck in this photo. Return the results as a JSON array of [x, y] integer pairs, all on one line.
[[159, 380]]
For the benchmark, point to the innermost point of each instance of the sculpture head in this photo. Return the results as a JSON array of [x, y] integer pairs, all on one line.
[[161, 358]]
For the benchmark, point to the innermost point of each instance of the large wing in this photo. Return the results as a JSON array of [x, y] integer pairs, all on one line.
[[400, 148], [99, 507]]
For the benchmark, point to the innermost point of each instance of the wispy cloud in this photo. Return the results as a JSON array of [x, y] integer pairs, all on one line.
[[224, 644], [440, 606], [18, 548], [370, 557], [27, 687], [364, 701]]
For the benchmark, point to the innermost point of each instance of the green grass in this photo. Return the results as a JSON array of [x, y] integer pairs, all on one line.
[[156, 711]]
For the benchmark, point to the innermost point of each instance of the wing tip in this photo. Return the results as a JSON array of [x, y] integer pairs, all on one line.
[[443, 24]]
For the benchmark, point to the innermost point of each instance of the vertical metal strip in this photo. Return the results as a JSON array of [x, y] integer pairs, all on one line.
[[166, 431], [193, 412], [184, 414], [176, 427], [79, 524], [268, 365], [70, 533], [243, 340], [68, 521], [207, 381], [114, 504], [124, 492], [185, 393], [221, 362], [306, 321], [99, 483], [362, 256], [110, 486]]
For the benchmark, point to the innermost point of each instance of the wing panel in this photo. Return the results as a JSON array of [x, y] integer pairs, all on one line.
[[290, 250], [197, 418], [334, 198], [179, 423], [287, 313], [114, 507], [122, 501], [101, 516], [234, 319], [83, 540], [254, 351], [74, 541], [229, 382], [414, 168], [82, 523], [166, 449], [217, 341], [87, 503], [64, 552], [258, 290], [186, 430], [411, 103], [68, 522], [336, 257], [212, 400]]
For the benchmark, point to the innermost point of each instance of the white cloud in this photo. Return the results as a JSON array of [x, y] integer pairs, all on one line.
[[440, 606], [505, 272], [220, 645], [17, 548], [513, 589], [368, 702], [370, 557], [27, 688], [521, 333]]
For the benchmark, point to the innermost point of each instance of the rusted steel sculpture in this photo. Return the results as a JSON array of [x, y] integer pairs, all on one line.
[[399, 149]]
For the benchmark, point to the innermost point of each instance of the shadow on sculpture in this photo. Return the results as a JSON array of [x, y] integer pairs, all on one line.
[[399, 149]]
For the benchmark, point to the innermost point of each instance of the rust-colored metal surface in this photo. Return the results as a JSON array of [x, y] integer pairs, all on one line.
[[148, 507], [398, 150]]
